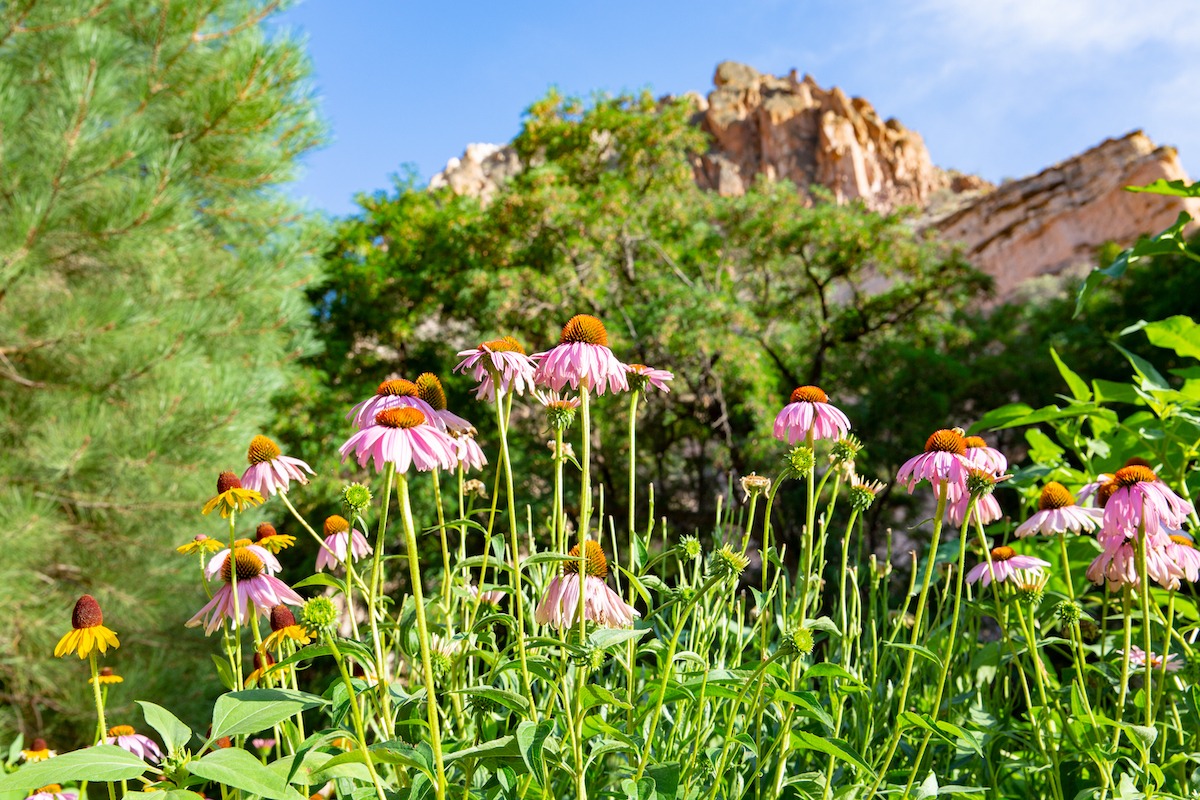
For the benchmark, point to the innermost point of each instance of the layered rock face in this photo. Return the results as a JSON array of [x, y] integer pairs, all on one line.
[[789, 128], [1055, 220]]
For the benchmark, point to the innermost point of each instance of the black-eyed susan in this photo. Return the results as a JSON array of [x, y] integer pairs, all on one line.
[[262, 662], [200, 544], [272, 539], [106, 677], [38, 751], [88, 634], [284, 629], [231, 496]]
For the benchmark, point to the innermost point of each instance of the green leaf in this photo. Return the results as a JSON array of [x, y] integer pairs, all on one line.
[[504, 697], [171, 794], [505, 747], [1077, 385], [605, 638], [1042, 449], [1169, 241], [243, 713], [827, 669], [666, 779], [594, 695], [103, 763], [322, 579], [1178, 333], [235, 767], [923, 652], [175, 734], [1152, 379], [1178, 188], [803, 740], [531, 738]]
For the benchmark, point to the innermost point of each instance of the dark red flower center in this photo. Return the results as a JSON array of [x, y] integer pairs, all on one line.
[[946, 440], [39, 745], [227, 481], [263, 660], [809, 394], [262, 450], [265, 530], [402, 417], [584, 329], [282, 617], [1055, 495], [87, 613]]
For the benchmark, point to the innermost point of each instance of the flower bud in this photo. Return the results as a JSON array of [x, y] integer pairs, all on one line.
[[356, 498], [319, 613], [799, 461]]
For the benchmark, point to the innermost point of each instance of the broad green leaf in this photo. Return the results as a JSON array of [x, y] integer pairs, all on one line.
[[505, 747], [322, 579], [803, 740], [1077, 385], [605, 638], [923, 652], [1001, 417], [1152, 379], [235, 767], [171, 794], [531, 737], [1178, 188], [254, 710], [666, 779], [1178, 333], [504, 697], [1042, 449], [1169, 241], [594, 695], [102, 763], [1111, 392], [827, 669], [175, 734]]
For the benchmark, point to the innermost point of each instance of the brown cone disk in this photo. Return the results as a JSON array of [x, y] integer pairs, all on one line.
[[87, 613]]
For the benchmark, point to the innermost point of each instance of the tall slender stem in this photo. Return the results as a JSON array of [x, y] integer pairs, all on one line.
[[441, 518], [101, 726]]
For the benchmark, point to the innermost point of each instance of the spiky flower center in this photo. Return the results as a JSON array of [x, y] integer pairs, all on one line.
[[974, 441], [1136, 461], [265, 530], [262, 450], [1055, 495], [282, 617], [1131, 476], [336, 524], [505, 344], [584, 329], [87, 613], [397, 387], [809, 394], [1105, 491], [429, 389], [595, 564], [51, 788], [227, 481], [121, 730], [247, 564], [106, 672], [402, 417], [946, 440], [1002, 553], [1183, 541]]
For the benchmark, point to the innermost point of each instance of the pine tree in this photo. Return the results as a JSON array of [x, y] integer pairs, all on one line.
[[151, 279]]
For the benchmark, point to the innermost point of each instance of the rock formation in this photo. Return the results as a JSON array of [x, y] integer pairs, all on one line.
[[1055, 220], [790, 128]]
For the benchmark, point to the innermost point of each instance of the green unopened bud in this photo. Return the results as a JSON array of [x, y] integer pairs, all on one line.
[[441, 665], [689, 548], [799, 461], [1068, 612], [862, 493], [560, 415], [798, 642], [482, 704], [980, 483], [590, 658], [727, 563], [356, 498], [845, 450], [1030, 589], [319, 613]]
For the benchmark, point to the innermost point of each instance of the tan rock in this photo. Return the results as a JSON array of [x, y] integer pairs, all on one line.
[[1054, 221]]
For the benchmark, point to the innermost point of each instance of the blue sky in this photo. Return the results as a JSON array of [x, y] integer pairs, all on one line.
[[1001, 88]]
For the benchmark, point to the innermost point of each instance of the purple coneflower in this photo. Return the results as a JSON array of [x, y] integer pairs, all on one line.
[[1006, 565], [340, 538], [270, 471], [986, 511], [984, 457], [395, 393], [490, 598], [581, 359], [640, 376], [126, 738], [601, 604], [254, 587], [809, 410], [1057, 513], [944, 459], [1137, 658], [1182, 550], [1117, 564], [1142, 501], [504, 358], [52, 792], [402, 436]]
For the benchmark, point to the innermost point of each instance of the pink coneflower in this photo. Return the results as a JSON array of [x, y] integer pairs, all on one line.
[[601, 604], [809, 410], [429, 389], [581, 359], [1182, 550], [402, 437], [339, 538], [504, 358], [254, 587], [490, 598], [944, 459], [468, 452], [984, 457], [395, 393], [52, 792], [640, 376], [1141, 500], [217, 562], [270, 471], [1137, 658], [262, 744], [1104, 485], [126, 738], [1118, 564], [1006, 565], [1057, 513], [987, 509]]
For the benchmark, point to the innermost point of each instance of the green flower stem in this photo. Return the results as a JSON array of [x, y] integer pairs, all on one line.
[[810, 532], [906, 681], [766, 613], [357, 717], [948, 657], [719, 770], [441, 518], [320, 540], [487, 533], [1162, 677], [518, 590], [1066, 566], [375, 606], [237, 611], [1039, 679], [101, 726], [1148, 689], [414, 570], [1127, 605]]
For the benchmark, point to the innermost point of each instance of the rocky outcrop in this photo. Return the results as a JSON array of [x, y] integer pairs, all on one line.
[[1056, 220], [480, 171], [792, 129]]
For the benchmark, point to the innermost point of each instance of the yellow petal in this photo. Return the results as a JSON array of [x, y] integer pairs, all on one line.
[[64, 645]]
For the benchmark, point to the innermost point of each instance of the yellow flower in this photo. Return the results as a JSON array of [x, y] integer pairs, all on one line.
[[106, 677], [231, 496], [284, 628], [201, 543], [262, 663], [38, 751], [273, 540], [88, 634]]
